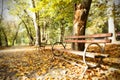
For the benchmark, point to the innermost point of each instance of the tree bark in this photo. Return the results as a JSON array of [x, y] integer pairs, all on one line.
[[28, 31], [15, 37], [37, 27], [117, 19], [62, 29], [79, 23], [111, 24], [0, 38], [43, 31], [1, 17], [2, 30], [5, 37]]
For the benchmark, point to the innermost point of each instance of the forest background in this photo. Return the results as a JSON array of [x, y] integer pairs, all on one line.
[[53, 18]]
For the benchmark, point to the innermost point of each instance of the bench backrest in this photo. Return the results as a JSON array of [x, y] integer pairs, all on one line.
[[99, 38]]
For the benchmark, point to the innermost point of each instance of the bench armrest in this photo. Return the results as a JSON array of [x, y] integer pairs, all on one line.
[[62, 43]]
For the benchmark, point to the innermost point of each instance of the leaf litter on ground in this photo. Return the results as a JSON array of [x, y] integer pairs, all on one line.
[[40, 64]]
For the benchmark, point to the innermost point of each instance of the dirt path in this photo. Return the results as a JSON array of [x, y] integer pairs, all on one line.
[[26, 63], [16, 49]]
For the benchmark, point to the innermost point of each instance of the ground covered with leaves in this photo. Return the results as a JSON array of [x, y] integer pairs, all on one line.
[[30, 63]]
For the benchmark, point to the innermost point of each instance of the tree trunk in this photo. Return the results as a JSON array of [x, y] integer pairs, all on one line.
[[5, 37], [1, 17], [117, 19], [43, 31], [111, 25], [37, 27], [62, 31], [2, 30], [15, 37], [0, 38], [79, 23], [28, 31]]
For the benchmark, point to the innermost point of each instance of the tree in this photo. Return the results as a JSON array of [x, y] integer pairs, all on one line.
[[5, 36], [16, 33], [36, 24], [111, 19], [20, 10], [31, 39], [2, 31], [1, 17], [117, 17], [111, 25], [97, 20], [61, 13], [80, 19]]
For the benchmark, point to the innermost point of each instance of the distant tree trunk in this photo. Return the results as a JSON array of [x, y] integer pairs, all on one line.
[[37, 27], [117, 17], [2, 30], [111, 24], [80, 19], [43, 31], [62, 32], [5, 37], [1, 17], [0, 38], [32, 41], [15, 37], [38, 31], [28, 32]]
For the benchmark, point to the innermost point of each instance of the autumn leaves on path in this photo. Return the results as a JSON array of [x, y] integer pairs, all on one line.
[[29, 63]]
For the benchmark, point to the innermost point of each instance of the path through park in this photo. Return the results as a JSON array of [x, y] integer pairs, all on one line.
[[30, 63]]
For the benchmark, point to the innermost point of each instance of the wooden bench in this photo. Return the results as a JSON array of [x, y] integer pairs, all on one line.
[[95, 39]]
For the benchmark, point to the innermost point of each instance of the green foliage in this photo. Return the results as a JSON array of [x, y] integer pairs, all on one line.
[[117, 17], [97, 17], [18, 7], [55, 13]]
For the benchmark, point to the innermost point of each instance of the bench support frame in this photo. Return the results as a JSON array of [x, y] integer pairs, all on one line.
[[84, 54], [95, 39]]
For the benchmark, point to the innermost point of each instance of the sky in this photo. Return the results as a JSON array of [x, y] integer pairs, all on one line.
[[6, 15]]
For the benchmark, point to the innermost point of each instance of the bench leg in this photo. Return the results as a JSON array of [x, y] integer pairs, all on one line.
[[84, 60], [100, 61], [61, 43], [86, 67], [84, 55]]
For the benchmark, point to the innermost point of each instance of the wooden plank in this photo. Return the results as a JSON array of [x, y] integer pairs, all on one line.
[[88, 54], [89, 41], [71, 62], [80, 53], [91, 36], [74, 62]]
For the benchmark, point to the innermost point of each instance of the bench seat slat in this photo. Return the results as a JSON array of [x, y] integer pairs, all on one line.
[[88, 54], [91, 36], [89, 41]]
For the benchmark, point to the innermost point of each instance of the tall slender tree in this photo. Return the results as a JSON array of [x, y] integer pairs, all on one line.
[[117, 18], [1, 17], [16, 33], [2, 31], [36, 25], [111, 19]]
